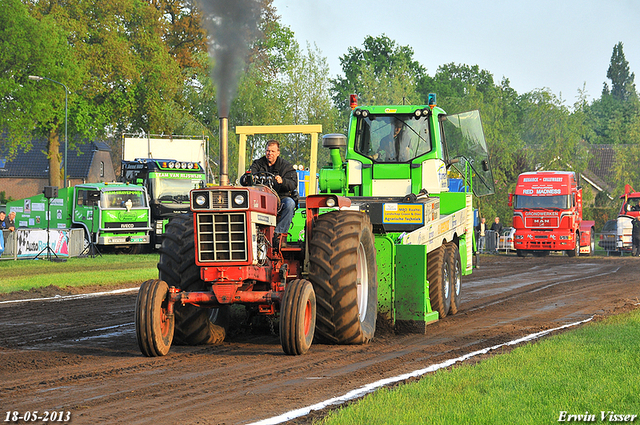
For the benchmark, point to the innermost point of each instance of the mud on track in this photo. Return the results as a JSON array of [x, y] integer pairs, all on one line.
[[80, 355]]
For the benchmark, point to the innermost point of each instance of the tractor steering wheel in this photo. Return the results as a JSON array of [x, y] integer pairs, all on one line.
[[264, 178], [261, 178]]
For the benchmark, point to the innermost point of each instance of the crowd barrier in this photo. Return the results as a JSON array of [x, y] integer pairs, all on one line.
[[32, 243], [490, 241]]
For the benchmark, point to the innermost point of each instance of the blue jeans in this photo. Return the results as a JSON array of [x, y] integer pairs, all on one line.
[[285, 215], [481, 240]]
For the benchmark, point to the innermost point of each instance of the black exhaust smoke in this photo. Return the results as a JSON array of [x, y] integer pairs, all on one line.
[[232, 26]]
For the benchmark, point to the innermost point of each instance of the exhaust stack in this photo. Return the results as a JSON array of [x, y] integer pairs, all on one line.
[[224, 151]]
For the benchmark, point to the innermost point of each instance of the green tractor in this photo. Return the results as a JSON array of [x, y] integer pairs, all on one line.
[[411, 170], [389, 236]]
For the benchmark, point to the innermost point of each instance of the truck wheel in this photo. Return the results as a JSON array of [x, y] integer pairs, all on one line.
[[455, 271], [592, 242], [439, 281], [297, 317], [343, 271], [521, 253], [178, 268], [154, 328], [575, 252]]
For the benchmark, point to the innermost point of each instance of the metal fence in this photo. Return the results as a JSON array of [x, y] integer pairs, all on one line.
[[32, 243], [604, 244]]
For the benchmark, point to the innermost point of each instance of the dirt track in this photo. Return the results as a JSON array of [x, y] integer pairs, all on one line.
[[80, 355]]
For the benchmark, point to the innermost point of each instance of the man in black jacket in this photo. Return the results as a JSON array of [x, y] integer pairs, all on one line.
[[285, 185]]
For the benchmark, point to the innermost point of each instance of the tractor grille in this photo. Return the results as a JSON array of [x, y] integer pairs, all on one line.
[[221, 237]]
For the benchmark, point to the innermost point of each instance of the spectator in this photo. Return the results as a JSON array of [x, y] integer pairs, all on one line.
[[481, 231], [496, 227], [11, 221], [3, 221]]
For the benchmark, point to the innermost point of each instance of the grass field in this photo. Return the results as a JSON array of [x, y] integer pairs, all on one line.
[[105, 270], [591, 371]]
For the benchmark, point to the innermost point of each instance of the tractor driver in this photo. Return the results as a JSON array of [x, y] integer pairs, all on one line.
[[285, 185]]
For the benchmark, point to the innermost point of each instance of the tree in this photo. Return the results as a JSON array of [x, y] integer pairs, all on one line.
[[622, 85], [617, 109], [379, 72], [33, 46]]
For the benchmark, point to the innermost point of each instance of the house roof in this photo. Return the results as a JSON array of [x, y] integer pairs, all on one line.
[[34, 163], [602, 160]]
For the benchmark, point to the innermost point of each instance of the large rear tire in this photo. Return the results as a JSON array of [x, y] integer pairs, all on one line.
[[178, 268], [343, 271], [455, 271], [298, 317], [154, 327], [439, 281]]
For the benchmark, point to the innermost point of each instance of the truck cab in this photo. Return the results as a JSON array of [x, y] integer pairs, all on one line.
[[547, 214], [402, 149], [168, 183]]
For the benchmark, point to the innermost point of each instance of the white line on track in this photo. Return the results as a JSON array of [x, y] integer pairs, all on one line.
[[366, 389], [74, 297]]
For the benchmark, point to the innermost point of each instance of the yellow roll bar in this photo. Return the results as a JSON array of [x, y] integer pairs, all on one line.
[[312, 129]]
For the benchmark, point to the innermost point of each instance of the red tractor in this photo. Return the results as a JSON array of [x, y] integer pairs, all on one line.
[[225, 253]]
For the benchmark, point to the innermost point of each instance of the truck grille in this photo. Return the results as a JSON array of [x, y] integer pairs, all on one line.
[[532, 222], [221, 237]]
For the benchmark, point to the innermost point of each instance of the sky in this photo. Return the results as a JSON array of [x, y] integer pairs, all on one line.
[[560, 45]]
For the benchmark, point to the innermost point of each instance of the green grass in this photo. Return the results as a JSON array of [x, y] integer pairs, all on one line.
[[105, 270], [592, 369]]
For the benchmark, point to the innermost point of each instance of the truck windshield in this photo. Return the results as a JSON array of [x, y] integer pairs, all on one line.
[[123, 199], [173, 190], [542, 202], [392, 138]]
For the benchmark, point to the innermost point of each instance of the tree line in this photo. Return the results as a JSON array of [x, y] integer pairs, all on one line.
[[142, 67]]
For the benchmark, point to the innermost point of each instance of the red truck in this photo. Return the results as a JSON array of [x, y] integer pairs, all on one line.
[[629, 210], [547, 215]]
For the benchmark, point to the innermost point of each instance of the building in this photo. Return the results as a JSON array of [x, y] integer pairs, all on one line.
[[28, 173]]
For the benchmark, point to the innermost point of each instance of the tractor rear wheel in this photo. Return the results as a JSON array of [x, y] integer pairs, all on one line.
[[154, 327], [343, 271], [455, 271], [177, 266], [439, 281], [298, 317]]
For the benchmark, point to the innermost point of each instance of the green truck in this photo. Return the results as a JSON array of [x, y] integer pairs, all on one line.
[[168, 183], [114, 216], [389, 236]]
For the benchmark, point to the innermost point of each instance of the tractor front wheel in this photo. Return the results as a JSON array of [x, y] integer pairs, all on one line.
[[298, 317], [177, 266], [343, 271], [154, 327]]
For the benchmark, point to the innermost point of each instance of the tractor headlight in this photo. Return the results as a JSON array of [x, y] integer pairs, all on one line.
[[172, 164], [239, 199], [201, 200], [331, 202]]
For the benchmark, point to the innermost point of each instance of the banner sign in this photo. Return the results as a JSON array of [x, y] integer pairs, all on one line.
[[32, 242]]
